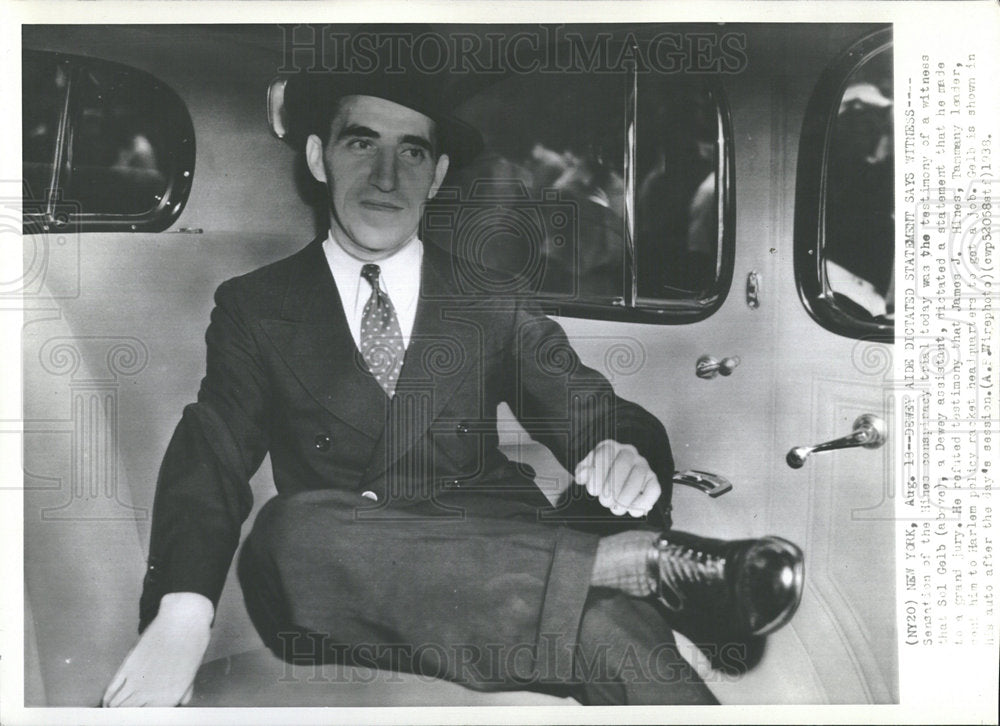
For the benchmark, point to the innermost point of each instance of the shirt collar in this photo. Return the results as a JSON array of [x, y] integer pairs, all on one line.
[[399, 273]]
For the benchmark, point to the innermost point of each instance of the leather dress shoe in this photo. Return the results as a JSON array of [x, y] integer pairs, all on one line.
[[725, 596]]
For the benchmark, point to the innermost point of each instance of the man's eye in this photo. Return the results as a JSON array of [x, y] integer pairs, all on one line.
[[415, 153], [360, 144]]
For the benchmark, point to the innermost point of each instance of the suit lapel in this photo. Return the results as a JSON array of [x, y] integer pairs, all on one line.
[[444, 349], [314, 340]]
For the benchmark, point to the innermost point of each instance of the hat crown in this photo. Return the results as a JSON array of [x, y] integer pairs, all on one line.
[[378, 69]]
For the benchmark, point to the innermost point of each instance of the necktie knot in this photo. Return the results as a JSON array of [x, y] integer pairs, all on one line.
[[371, 272]]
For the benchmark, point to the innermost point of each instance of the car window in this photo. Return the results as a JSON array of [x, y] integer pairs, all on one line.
[[845, 217], [105, 146], [605, 194], [858, 215], [546, 201], [679, 142]]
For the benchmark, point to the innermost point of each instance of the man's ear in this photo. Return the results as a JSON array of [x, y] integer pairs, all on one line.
[[439, 173], [314, 158]]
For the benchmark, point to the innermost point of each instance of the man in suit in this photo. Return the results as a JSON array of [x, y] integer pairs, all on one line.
[[370, 366]]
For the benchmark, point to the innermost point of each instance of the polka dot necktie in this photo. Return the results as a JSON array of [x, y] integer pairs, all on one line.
[[381, 337]]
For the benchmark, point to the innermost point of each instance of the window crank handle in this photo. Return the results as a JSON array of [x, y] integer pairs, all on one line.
[[710, 367], [869, 432]]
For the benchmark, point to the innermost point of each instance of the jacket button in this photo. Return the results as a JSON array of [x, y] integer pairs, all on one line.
[[462, 428], [322, 442]]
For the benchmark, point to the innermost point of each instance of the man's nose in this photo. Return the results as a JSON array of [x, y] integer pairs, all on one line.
[[383, 173]]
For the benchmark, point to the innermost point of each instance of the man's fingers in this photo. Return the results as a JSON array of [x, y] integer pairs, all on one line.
[[591, 470], [120, 686], [122, 696], [617, 476], [603, 463], [161, 668], [649, 495], [112, 690], [156, 697], [583, 469], [631, 487], [115, 686], [138, 699]]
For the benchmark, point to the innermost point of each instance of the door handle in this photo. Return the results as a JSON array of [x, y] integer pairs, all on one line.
[[869, 432], [712, 484], [709, 367]]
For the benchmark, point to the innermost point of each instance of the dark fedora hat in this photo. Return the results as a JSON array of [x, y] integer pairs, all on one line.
[[311, 98]]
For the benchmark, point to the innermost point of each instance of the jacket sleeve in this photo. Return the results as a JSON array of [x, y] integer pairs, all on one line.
[[203, 489], [571, 408]]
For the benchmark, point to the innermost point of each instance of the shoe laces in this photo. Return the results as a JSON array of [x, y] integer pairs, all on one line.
[[680, 567]]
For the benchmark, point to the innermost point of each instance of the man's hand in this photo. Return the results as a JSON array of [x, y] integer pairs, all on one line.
[[619, 477], [160, 668]]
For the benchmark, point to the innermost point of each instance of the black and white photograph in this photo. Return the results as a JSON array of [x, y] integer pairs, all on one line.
[[434, 361]]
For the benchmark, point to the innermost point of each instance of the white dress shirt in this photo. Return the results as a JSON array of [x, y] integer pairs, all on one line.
[[399, 279]]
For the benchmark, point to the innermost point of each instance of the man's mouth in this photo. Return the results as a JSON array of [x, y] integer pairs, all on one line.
[[378, 206]]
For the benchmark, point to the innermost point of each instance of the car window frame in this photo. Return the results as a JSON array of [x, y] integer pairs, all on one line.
[[47, 212], [810, 194], [634, 308]]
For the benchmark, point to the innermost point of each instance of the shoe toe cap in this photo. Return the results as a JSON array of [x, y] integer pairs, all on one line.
[[771, 584]]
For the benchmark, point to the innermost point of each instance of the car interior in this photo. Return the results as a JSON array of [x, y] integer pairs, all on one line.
[[716, 239]]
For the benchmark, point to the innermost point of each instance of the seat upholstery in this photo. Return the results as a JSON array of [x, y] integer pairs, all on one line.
[[259, 678]]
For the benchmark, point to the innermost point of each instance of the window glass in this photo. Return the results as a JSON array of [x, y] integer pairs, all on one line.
[[859, 221], [122, 141], [545, 202], [599, 191], [844, 206], [43, 98], [117, 161], [677, 197]]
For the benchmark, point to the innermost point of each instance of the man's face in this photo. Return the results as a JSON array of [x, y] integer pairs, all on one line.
[[379, 166]]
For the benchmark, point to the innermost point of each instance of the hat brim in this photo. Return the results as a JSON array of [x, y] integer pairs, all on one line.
[[310, 100]]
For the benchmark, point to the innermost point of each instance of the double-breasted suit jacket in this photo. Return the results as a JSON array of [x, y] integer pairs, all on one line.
[[284, 377]]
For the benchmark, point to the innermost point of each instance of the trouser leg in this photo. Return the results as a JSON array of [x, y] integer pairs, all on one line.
[[487, 602], [491, 600], [626, 654]]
